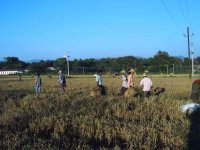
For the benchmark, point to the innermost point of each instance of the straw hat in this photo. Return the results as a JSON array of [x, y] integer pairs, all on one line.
[[144, 75], [123, 72], [132, 71]]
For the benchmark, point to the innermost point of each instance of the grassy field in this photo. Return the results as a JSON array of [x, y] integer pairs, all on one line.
[[77, 121]]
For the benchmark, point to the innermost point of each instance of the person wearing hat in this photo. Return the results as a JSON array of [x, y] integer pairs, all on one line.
[[124, 80], [131, 78], [62, 81], [147, 84], [99, 81]]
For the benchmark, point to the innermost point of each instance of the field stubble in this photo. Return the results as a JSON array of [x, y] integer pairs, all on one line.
[[76, 120]]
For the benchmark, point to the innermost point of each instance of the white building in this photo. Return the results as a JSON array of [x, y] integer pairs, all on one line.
[[51, 68], [8, 72]]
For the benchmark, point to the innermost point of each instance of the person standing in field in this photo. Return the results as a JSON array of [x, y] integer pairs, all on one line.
[[195, 90], [38, 84], [124, 80], [62, 82], [147, 84], [131, 78], [99, 81]]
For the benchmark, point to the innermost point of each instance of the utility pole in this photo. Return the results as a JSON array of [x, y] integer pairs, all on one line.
[[67, 59], [188, 39], [83, 71], [188, 36], [192, 52], [192, 63]]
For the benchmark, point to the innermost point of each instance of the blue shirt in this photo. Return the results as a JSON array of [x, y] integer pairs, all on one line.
[[62, 78]]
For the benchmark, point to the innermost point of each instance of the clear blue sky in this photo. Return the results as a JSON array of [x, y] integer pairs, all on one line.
[[47, 29]]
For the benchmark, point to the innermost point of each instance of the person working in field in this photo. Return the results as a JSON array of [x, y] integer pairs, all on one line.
[[195, 90], [62, 82], [124, 80], [147, 84], [38, 84], [99, 81], [131, 78]]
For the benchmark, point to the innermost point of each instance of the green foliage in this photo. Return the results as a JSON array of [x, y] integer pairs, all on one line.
[[60, 64], [12, 63], [157, 64], [36, 67]]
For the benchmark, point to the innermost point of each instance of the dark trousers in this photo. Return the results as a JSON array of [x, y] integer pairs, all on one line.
[[103, 91], [122, 91], [62, 88], [147, 93]]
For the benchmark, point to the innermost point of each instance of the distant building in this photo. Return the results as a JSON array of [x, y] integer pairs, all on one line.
[[9, 72], [51, 68]]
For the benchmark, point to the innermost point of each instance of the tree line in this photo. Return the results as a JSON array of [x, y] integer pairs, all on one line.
[[161, 62]]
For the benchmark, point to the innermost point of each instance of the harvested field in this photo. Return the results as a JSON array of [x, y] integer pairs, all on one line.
[[76, 120]]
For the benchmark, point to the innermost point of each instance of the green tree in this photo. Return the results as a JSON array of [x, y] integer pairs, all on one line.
[[161, 58], [37, 67], [60, 64], [160, 61], [198, 60], [13, 63]]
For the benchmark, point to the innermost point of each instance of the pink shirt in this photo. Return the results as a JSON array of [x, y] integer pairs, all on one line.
[[146, 83], [130, 80]]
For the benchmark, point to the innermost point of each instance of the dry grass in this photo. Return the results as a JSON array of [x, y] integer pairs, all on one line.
[[96, 91], [76, 120], [129, 92]]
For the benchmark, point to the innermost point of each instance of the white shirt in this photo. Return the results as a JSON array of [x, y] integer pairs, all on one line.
[[124, 81], [99, 79], [146, 83]]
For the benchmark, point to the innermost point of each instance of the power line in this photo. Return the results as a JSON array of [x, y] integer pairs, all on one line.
[[181, 8], [171, 16], [189, 20]]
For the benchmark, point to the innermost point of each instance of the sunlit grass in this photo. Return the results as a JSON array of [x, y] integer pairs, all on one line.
[[76, 120]]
